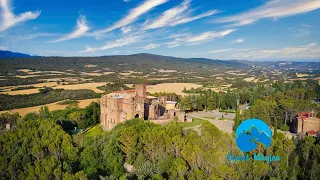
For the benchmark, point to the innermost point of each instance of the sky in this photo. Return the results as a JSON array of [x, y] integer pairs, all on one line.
[[267, 30]]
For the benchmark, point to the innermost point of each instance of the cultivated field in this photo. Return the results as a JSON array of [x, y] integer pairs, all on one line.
[[91, 86], [171, 87], [51, 106]]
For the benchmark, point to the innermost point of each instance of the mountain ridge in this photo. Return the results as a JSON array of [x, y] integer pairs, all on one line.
[[10, 54]]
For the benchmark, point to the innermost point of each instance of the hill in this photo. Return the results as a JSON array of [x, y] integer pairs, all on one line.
[[135, 62], [9, 54]]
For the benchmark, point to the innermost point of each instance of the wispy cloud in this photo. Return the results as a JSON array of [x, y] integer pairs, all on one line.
[[237, 41], [126, 29], [113, 44], [151, 46], [200, 38], [301, 31], [272, 9], [175, 16], [134, 14], [37, 35], [4, 48], [311, 50], [79, 31], [8, 19], [220, 50]]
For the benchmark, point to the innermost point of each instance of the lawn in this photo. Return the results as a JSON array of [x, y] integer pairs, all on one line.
[[195, 122], [94, 131], [225, 119], [229, 111], [209, 117]]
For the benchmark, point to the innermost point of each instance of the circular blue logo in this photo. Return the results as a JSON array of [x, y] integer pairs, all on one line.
[[250, 132]]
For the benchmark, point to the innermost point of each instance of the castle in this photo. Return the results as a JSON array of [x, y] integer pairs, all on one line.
[[121, 106], [307, 123]]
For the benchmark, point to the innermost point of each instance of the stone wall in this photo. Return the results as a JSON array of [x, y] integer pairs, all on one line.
[[308, 124]]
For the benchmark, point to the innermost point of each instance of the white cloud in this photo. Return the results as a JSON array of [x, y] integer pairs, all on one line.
[[4, 48], [200, 38], [220, 50], [209, 35], [238, 41], [8, 19], [37, 35], [300, 31], [79, 31], [113, 44], [175, 16], [311, 50], [126, 29], [134, 14], [272, 9], [151, 46]]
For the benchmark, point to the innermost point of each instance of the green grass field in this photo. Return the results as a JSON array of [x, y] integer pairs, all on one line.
[[210, 117], [225, 119], [195, 122], [94, 131]]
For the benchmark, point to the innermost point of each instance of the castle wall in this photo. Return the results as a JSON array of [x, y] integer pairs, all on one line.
[[308, 124]]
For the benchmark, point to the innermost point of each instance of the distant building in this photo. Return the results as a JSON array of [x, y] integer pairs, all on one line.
[[307, 123], [8, 127], [121, 106]]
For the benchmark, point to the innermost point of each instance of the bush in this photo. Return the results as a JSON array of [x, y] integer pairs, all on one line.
[[284, 127]]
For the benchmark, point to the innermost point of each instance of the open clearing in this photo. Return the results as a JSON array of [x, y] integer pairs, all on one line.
[[51, 106], [250, 79], [91, 86], [171, 87]]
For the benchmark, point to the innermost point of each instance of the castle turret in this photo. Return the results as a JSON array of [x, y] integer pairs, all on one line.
[[141, 90]]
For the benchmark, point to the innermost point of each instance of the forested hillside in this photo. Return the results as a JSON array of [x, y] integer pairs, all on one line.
[[125, 62], [39, 148]]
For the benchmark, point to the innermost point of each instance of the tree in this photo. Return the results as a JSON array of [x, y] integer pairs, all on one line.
[[44, 112], [76, 116], [237, 118]]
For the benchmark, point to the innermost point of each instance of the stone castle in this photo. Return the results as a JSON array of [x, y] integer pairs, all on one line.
[[121, 106], [307, 123]]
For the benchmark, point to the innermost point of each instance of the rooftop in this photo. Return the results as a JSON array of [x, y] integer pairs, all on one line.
[[313, 132]]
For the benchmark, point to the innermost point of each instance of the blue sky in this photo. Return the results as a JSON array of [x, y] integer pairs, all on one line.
[[228, 29]]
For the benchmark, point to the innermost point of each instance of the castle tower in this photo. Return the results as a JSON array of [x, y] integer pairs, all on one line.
[[139, 99], [141, 90]]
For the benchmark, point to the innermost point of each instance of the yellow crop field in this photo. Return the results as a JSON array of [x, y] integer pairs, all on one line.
[[171, 87]]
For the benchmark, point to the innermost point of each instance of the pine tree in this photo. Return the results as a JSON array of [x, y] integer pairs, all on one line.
[[237, 118], [275, 130]]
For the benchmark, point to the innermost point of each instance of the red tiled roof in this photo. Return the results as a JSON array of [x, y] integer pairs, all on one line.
[[303, 114], [312, 132], [125, 91]]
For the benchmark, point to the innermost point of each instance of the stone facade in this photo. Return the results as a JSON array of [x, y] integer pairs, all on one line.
[[307, 121], [121, 106]]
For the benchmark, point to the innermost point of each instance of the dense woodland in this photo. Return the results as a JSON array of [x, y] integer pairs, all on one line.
[[39, 148]]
